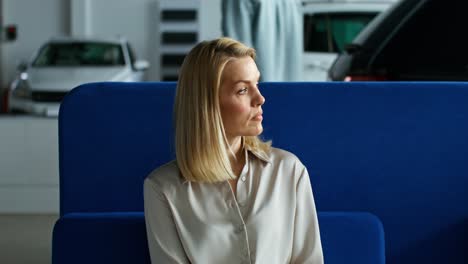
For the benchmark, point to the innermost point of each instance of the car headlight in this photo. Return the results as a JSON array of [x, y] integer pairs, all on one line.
[[24, 76], [21, 90]]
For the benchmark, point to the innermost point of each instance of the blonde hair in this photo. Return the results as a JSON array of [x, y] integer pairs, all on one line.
[[201, 148]]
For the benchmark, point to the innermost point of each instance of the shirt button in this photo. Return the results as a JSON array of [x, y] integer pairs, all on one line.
[[243, 178], [239, 229]]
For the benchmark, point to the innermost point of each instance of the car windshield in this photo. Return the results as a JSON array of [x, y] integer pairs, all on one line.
[[80, 54], [331, 32]]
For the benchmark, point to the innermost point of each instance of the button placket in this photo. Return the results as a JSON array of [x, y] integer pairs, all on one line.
[[239, 229], [242, 185]]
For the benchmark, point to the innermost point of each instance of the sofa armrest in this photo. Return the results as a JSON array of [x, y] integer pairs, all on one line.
[[352, 237], [100, 238]]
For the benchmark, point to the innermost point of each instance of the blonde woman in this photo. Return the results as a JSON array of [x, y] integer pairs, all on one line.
[[228, 197]]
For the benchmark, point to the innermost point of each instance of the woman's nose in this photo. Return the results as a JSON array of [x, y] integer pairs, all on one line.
[[260, 100]]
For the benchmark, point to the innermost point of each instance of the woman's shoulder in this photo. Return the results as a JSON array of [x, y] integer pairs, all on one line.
[[284, 165], [278, 155], [166, 174]]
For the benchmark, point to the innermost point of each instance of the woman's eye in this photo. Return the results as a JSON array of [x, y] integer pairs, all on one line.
[[242, 91]]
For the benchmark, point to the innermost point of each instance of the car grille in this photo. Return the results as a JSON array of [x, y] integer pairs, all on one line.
[[48, 96]]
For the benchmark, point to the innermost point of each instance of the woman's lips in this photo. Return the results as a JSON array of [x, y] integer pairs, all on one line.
[[258, 117]]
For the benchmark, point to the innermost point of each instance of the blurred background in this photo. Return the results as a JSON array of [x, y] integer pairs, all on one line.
[[48, 47]]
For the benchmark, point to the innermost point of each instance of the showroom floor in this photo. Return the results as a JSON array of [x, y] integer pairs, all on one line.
[[26, 239]]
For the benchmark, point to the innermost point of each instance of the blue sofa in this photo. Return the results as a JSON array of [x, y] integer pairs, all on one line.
[[120, 238], [395, 150]]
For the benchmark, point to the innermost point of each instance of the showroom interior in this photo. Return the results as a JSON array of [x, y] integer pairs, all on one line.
[[387, 159], [29, 179]]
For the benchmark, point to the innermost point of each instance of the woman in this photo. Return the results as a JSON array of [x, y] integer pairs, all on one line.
[[228, 197]]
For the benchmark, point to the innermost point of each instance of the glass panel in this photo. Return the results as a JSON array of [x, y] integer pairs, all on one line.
[[179, 37], [331, 32], [80, 54], [173, 59], [179, 15]]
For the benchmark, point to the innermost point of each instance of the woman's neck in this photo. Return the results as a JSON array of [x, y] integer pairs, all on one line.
[[235, 144], [236, 156]]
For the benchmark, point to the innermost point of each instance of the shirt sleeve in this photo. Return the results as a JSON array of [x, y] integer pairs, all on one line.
[[307, 247], [163, 240]]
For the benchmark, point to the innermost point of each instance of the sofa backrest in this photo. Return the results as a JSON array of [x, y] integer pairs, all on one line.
[[111, 136], [397, 150]]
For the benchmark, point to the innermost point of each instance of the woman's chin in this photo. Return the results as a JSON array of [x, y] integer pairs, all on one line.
[[256, 131]]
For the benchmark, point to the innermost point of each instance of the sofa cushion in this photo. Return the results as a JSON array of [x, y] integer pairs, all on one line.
[[97, 238]]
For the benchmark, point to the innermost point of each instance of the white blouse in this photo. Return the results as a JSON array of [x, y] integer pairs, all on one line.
[[271, 219]]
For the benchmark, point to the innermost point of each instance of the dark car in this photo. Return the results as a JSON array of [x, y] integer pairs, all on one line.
[[415, 40]]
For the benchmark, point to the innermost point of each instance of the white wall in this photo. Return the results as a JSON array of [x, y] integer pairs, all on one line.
[[29, 165]]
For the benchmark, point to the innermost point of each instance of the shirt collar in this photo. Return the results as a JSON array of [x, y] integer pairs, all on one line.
[[263, 156]]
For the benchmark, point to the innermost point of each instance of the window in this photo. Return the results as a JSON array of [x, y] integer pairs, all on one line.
[[331, 32], [80, 54]]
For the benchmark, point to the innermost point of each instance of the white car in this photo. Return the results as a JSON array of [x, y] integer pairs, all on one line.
[[329, 26], [62, 64]]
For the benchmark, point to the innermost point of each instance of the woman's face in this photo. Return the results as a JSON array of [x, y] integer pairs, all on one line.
[[240, 100]]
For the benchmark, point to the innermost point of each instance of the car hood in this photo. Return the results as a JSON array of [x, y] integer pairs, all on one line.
[[52, 79]]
